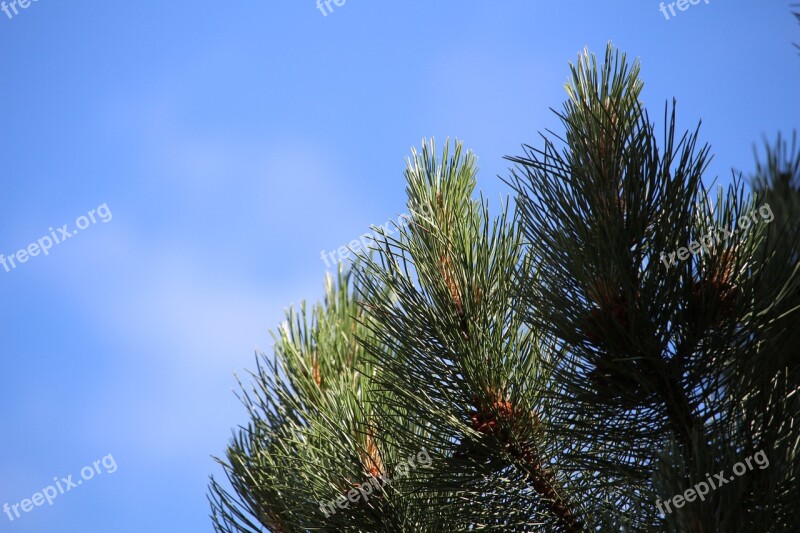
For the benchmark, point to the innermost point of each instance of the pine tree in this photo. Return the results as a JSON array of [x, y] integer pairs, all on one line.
[[777, 181], [558, 367], [676, 369]]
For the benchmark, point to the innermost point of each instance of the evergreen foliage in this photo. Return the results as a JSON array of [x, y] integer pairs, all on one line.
[[559, 371]]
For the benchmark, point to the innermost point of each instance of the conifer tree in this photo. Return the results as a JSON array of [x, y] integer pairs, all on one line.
[[563, 366], [675, 368]]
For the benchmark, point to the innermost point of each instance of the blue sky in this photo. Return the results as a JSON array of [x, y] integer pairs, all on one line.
[[232, 142]]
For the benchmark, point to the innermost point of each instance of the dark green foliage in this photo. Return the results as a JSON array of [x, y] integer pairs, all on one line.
[[560, 371], [663, 377]]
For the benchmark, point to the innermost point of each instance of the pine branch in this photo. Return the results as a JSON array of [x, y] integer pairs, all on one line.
[[661, 345], [556, 366], [454, 328]]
